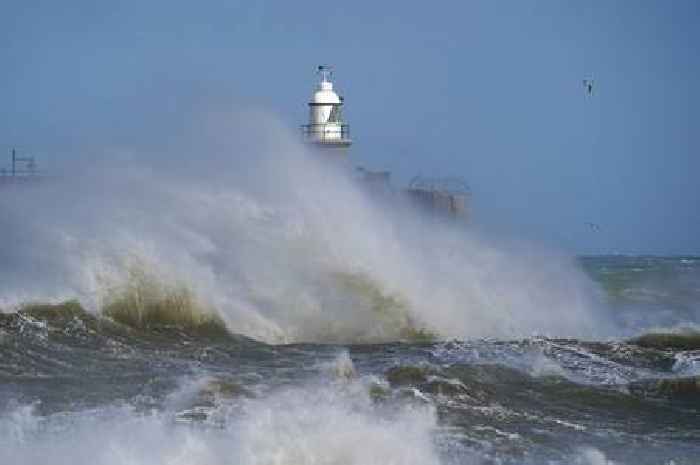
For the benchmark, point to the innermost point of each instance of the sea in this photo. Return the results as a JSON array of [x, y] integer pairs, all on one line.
[[78, 387], [256, 306]]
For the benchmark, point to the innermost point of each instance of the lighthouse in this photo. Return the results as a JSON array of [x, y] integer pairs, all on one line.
[[326, 129]]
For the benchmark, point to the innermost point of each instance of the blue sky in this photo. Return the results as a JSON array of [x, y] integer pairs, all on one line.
[[490, 91]]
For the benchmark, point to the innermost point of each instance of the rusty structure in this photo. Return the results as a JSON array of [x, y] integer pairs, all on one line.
[[377, 182], [439, 198], [443, 197]]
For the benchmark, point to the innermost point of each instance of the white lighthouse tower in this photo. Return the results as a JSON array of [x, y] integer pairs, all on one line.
[[326, 129]]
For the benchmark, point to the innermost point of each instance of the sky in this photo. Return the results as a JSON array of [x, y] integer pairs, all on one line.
[[490, 91]]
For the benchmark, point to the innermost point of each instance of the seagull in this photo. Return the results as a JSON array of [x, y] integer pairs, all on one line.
[[588, 85]]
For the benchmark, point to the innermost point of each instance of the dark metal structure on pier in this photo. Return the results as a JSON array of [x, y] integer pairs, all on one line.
[[22, 169], [440, 196]]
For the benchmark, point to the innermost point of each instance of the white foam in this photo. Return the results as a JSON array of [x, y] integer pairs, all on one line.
[[592, 456], [318, 424], [687, 363], [260, 230]]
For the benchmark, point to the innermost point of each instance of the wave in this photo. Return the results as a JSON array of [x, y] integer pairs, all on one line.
[[215, 421], [391, 315], [284, 249], [55, 313], [686, 340], [171, 312], [144, 303], [319, 422], [683, 389]]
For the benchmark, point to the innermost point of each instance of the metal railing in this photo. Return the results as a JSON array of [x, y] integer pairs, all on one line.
[[325, 133], [20, 167], [9, 173]]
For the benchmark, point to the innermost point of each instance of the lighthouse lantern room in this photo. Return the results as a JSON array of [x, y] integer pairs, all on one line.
[[326, 128]]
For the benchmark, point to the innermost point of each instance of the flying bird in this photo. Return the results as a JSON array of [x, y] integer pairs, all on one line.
[[588, 85], [592, 226]]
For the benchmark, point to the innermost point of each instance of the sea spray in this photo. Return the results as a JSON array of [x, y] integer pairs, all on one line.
[[143, 302], [284, 248]]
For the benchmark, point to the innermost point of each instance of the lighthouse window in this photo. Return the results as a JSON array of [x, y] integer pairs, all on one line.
[[334, 117]]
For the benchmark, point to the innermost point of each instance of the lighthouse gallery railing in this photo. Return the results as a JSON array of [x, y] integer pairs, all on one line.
[[320, 132]]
